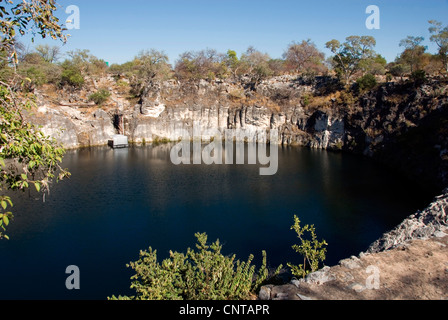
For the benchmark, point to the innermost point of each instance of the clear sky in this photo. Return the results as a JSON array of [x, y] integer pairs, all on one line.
[[117, 30]]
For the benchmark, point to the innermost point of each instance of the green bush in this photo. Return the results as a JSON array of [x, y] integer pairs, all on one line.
[[367, 82], [202, 274], [72, 76], [35, 74], [38, 71], [313, 251], [419, 77], [100, 96]]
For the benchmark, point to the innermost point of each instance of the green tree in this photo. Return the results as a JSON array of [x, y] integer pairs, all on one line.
[[147, 66], [398, 69], [375, 65], [439, 36], [27, 157], [38, 70], [86, 63], [232, 62], [413, 53], [350, 56]]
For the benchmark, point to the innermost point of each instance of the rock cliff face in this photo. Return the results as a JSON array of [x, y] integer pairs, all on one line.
[[400, 124], [157, 117]]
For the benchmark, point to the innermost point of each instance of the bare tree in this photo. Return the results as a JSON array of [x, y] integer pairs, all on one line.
[[50, 54], [304, 57], [204, 64]]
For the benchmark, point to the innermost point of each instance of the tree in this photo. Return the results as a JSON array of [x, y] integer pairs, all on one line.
[[204, 64], [49, 54], [27, 157], [349, 56], [413, 53], [277, 66], [34, 67], [86, 63], [100, 96], [440, 37], [152, 64], [398, 69], [255, 64], [366, 82], [232, 62], [375, 65], [35, 16], [304, 58]]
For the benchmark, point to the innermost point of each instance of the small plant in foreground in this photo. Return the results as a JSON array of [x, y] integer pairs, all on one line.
[[202, 274], [313, 251]]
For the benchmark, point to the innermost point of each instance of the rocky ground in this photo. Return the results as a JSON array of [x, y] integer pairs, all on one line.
[[408, 263]]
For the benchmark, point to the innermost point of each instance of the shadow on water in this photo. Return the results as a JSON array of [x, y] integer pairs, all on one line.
[[121, 201]]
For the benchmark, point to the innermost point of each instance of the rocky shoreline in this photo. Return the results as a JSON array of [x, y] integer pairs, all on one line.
[[409, 262]]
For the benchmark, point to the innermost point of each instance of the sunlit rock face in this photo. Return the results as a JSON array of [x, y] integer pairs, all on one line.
[[383, 123]]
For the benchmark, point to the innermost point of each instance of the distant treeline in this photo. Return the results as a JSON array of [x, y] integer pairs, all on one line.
[[354, 59]]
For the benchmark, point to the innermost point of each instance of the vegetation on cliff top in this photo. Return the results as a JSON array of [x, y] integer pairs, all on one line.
[[352, 59]]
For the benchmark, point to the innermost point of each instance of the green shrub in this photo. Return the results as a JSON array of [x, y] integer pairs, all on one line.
[[39, 71], [202, 274], [72, 76], [367, 82], [100, 96], [35, 74], [306, 100], [419, 77], [313, 251]]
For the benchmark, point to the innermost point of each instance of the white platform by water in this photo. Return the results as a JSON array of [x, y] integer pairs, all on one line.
[[119, 141]]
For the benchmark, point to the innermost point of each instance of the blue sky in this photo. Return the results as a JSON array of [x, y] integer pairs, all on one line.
[[117, 30]]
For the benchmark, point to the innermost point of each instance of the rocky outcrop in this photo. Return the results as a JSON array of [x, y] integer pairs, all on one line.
[[157, 117], [73, 128], [433, 221]]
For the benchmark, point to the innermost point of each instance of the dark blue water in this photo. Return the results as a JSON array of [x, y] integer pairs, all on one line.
[[119, 202]]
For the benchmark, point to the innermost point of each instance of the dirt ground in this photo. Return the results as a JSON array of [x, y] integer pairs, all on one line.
[[417, 270]]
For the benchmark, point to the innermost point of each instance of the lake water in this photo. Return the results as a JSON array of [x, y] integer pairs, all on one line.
[[119, 202]]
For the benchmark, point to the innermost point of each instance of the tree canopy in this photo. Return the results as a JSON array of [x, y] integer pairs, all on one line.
[[27, 157]]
